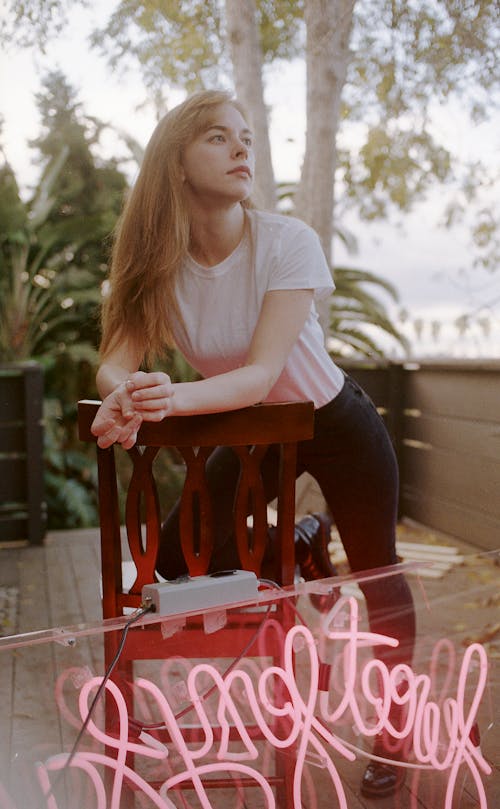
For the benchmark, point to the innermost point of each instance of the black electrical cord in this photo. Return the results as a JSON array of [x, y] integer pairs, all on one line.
[[132, 620]]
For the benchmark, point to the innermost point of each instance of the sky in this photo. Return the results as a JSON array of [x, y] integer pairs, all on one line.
[[431, 267]]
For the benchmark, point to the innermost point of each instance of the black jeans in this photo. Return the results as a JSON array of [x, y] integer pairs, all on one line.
[[352, 459]]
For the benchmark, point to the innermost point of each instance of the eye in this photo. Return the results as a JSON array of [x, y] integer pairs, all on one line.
[[216, 139], [247, 141]]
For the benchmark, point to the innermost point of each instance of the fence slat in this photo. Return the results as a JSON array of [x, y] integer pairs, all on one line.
[[476, 438], [467, 393], [458, 520], [455, 478]]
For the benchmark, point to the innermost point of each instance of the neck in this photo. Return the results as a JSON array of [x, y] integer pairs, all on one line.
[[215, 234]]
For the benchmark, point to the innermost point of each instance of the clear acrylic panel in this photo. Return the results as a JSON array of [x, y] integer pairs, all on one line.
[[273, 703]]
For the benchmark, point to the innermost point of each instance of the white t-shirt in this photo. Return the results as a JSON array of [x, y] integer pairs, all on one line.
[[221, 305]]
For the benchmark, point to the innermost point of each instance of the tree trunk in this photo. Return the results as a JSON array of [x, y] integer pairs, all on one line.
[[328, 25], [246, 55]]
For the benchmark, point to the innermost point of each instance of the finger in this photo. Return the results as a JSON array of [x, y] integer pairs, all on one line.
[[145, 394], [105, 441], [141, 379], [133, 425], [126, 435], [130, 441], [100, 425], [159, 406], [116, 431], [159, 413], [156, 415]]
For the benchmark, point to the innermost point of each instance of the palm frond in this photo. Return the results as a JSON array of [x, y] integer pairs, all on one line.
[[354, 307], [348, 341]]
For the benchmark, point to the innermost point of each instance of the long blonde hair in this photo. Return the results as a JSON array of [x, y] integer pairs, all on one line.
[[151, 239]]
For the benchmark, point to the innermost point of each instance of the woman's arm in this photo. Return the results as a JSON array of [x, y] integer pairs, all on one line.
[[131, 396], [282, 317], [117, 420]]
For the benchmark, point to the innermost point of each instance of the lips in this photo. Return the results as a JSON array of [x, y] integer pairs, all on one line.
[[240, 170]]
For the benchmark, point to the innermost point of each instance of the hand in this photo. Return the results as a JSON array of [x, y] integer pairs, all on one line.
[[143, 397], [151, 395], [116, 420]]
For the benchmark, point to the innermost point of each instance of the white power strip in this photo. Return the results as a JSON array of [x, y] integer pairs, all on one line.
[[201, 592]]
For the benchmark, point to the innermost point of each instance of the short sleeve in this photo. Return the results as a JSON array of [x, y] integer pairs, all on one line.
[[300, 262]]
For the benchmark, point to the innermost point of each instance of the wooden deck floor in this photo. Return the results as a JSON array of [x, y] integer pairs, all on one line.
[[57, 585]]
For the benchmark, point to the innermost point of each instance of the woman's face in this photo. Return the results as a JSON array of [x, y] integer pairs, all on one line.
[[218, 165]]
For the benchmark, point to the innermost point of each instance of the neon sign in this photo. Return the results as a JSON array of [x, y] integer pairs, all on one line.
[[305, 722]]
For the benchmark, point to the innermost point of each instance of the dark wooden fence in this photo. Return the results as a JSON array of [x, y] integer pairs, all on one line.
[[22, 505], [445, 422]]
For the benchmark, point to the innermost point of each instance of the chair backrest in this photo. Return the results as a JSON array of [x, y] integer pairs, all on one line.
[[249, 431]]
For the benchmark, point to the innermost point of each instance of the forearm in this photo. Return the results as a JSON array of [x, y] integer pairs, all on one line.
[[281, 320], [108, 377], [116, 367], [230, 391]]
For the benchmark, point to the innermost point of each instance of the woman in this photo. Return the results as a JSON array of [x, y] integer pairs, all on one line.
[[195, 266]]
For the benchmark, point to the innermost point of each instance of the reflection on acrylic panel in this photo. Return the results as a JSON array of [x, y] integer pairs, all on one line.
[[288, 721]]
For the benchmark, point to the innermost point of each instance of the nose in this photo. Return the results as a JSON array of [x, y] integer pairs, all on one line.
[[240, 149]]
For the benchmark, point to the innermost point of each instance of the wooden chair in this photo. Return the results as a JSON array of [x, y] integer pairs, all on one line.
[[249, 431]]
